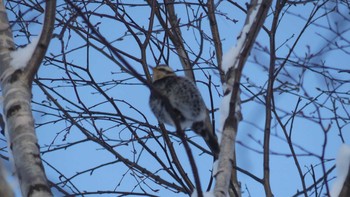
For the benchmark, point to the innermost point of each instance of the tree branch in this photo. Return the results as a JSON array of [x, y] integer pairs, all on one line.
[[216, 36], [46, 33], [22, 140], [254, 21]]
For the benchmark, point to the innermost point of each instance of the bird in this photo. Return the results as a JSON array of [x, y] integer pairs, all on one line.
[[186, 102]]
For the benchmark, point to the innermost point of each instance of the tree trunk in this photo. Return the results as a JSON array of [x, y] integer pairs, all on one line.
[[255, 19], [16, 90]]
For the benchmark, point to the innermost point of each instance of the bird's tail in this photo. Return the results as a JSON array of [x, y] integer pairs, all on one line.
[[204, 129]]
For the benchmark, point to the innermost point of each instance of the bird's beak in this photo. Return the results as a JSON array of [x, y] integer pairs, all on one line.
[[152, 67]]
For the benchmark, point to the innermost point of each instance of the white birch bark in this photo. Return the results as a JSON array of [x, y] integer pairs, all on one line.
[[21, 134], [16, 90], [254, 21]]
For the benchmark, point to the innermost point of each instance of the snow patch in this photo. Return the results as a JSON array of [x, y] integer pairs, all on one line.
[[342, 164], [224, 110], [229, 60], [21, 56], [205, 194]]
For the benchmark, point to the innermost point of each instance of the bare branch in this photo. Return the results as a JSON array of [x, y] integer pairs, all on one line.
[[216, 37], [44, 41]]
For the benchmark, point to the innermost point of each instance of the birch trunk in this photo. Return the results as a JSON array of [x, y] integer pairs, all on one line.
[[225, 176], [16, 90], [21, 134]]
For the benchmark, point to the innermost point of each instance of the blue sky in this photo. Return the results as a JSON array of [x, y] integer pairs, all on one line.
[[307, 134]]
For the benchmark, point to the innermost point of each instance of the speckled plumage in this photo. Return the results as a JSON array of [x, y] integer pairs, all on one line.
[[183, 96], [185, 99]]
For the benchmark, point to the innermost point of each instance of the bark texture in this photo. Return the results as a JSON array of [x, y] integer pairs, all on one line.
[[254, 21], [16, 90]]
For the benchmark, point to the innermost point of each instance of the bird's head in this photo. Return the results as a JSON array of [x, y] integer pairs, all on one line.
[[162, 71]]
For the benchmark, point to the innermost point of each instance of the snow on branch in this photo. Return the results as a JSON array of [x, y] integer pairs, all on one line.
[[205, 194], [234, 55], [235, 58], [230, 110], [16, 79], [21, 56]]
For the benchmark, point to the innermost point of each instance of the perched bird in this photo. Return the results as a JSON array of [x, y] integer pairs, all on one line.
[[186, 101]]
